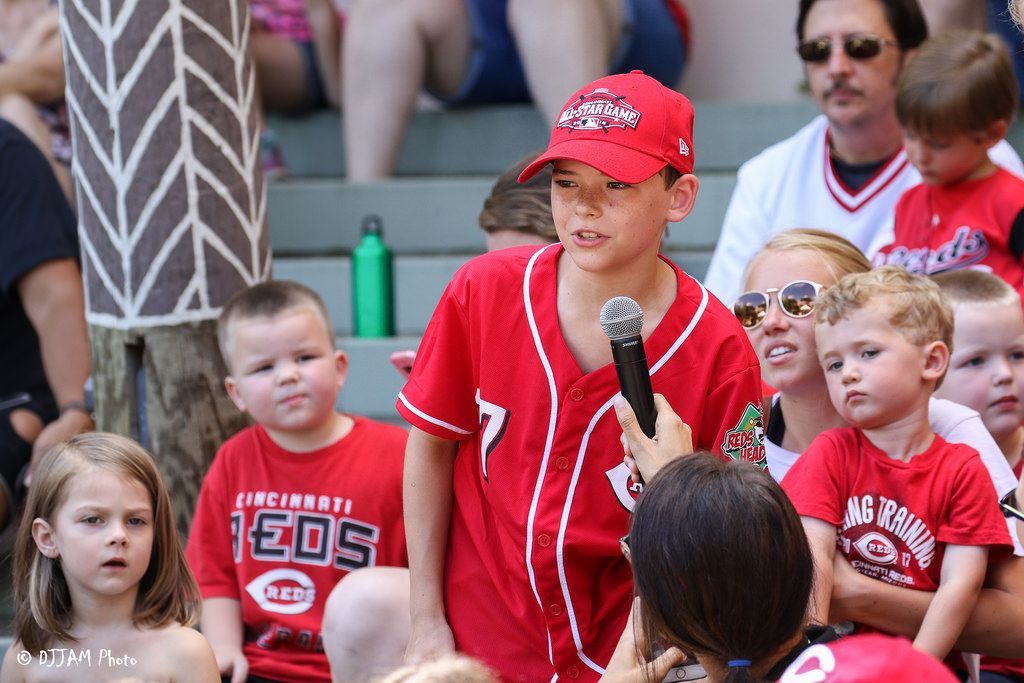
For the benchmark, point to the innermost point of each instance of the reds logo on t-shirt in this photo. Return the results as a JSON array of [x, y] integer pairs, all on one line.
[[600, 109], [876, 548], [283, 590], [745, 441]]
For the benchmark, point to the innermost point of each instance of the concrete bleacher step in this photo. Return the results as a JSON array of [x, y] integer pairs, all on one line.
[[418, 284], [487, 140], [432, 215]]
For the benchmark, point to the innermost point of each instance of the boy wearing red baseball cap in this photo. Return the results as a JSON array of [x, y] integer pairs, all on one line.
[[515, 489]]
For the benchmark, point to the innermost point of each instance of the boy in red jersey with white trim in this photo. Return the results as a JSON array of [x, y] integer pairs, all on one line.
[[515, 489], [901, 504]]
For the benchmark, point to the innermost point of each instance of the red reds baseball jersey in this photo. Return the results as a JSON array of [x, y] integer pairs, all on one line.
[[972, 224], [535, 584], [895, 518], [276, 530]]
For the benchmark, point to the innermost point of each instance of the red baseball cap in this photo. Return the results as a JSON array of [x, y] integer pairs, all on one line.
[[867, 658], [627, 126]]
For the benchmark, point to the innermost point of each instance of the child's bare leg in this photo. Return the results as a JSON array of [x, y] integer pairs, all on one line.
[[280, 71], [391, 49], [577, 35], [366, 623], [323, 24]]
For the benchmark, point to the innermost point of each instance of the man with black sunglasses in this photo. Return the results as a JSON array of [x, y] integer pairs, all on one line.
[[845, 170]]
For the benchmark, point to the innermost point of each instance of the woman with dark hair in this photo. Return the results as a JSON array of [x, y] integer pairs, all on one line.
[[721, 568]]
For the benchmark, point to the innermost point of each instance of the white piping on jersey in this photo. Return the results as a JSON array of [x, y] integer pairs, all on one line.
[[581, 456], [563, 523], [428, 418], [528, 307], [688, 329], [853, 202]]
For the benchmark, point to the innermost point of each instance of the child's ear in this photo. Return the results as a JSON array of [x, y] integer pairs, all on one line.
[[42, 534], [684, 194], [936, 360], [341, 364], [232, 389], [995, 132]]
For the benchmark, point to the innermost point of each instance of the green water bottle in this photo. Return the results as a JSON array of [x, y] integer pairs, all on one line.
[[372, 298]]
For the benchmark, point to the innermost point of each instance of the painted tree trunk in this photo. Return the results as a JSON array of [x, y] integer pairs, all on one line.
[[172, 213]]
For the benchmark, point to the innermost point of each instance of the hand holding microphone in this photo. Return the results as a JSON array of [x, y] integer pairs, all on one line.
[[652, 433]]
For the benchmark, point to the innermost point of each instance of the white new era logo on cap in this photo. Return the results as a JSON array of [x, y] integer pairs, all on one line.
[[684, 148]]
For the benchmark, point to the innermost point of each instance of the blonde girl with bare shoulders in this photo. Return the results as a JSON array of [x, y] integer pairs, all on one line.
[[101, 587]]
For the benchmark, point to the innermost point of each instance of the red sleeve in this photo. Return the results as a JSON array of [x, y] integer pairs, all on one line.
[[974, 517], [210, 544], [815, 483], [438, 397], [733, 422]]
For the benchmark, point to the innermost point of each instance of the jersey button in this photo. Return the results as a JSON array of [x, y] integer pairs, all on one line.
[[576, 394], [562, 462], [555, 610], [572, 672], [543, 540]]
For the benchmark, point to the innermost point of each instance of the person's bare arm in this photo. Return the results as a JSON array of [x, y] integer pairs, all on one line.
[[963, 572], [52, 296], [427, 499], [995, 626], [323, 24], [221, 623], [821, 537]]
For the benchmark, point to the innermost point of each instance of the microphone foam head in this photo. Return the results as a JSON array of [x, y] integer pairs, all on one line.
[[622, 317]]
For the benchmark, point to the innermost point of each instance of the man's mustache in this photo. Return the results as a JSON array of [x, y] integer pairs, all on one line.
[[842, 85]]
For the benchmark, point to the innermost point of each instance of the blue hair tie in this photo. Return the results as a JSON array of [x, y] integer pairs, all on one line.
[[739, 663]]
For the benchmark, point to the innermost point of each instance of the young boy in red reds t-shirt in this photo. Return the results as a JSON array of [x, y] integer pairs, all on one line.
[[295, 502], [955, 100], [515, 489], [901, 504]]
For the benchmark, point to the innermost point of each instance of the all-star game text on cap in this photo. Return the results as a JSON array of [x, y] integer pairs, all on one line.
[[627, 126]]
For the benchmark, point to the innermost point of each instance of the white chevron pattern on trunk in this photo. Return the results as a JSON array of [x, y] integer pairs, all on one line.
[[170, 192]]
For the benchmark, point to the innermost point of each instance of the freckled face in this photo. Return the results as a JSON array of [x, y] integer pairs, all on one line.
[[605, 225]]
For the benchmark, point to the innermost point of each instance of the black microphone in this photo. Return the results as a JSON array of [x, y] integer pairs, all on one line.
[[622, 319]]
